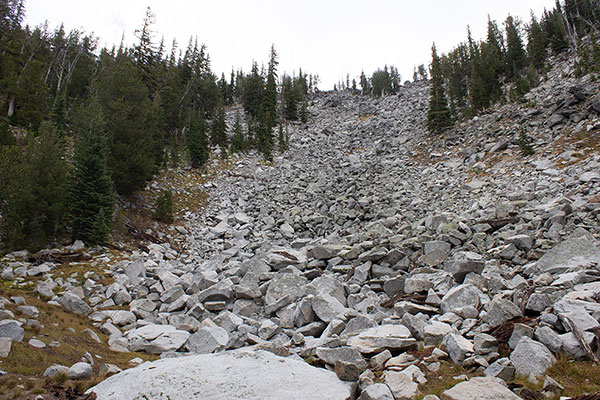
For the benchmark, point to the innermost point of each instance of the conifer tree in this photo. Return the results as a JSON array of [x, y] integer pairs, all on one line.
[[197, 142], [304, 112], [536, 44], [438, 115], [33, 190], [218, 133], [554, 29], [515, 53], [91, 189], [270, 95], [238, 143], [264, 136], [253, 91], [364, 84], [131, 123]]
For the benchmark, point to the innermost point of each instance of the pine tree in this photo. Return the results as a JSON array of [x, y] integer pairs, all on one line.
[[264, 136], [290, 99], [91, 189], [536, 44], [33, 190], [218, 133], [438, 115], [554, 29], [304, 112], [364, 84], [131, 123], [253, 91], [516, 58], [269, 100], [197, 142], [238, 143]]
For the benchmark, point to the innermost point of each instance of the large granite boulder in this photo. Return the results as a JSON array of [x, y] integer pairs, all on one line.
[[229, 375]]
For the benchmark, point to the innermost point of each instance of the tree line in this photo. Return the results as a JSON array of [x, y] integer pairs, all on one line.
[[80, 125], [508, 63]]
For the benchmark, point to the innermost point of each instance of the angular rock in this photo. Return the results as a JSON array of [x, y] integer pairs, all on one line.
[[458, 347], [328, 308], [459, 297], [377, 391], [401, 385], [465, 262], [12, 330], [571, 252], [531, 358], [75, 304], [207, 340], [500, 310]]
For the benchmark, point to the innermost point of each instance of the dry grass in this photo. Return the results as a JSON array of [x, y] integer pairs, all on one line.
[[68, 330], [577, 377], [585, 144]]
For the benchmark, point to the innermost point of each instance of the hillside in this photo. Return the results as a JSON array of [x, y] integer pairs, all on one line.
[[402, 261]]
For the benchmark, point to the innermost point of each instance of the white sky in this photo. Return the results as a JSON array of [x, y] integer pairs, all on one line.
[[326, 37]]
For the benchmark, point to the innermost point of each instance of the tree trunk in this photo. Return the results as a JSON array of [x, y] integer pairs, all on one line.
[[11, 105]]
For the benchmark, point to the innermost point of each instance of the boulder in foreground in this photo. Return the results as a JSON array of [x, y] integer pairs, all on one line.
[[229, 375]]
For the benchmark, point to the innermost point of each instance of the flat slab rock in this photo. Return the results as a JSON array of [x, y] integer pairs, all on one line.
[[229, 375], [480, 388], [379, 338]]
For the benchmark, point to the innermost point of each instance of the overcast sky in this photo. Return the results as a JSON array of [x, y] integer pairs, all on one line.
[[326, 37]]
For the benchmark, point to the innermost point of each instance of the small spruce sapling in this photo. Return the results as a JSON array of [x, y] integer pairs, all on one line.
[[525, 144], [163, 210]]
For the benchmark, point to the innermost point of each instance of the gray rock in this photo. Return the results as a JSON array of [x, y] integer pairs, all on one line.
[[156, 339], [484, 343], [285, 284], [519, 331], [463, 263], [11, 329], [327, 251], [401, 385], [435, 252], [548, 338], [500, 310], [229, 375], [75, 304], [281, 258], [135, 271], [121, 317], [207, 340], [379, 338], [328, 308], [54, 370], [458, 347], [480, 388], [531, 358], [80, 370], [459, 297], [502, 369], [435, 331], [5, 345], [348, 371], [571, 252], [377, 391], [36, 343], [522, 242]]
